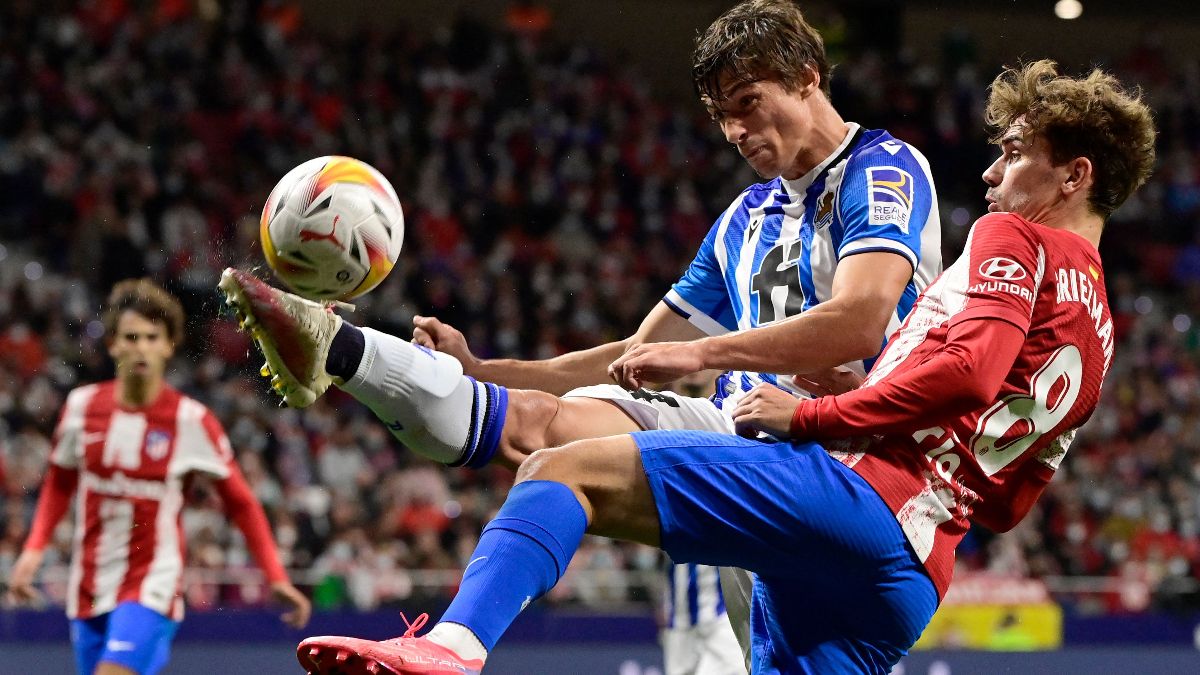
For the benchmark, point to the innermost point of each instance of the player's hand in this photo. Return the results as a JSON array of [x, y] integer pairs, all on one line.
[[829, 382], [432, 333], [656, 362], [765, 408], [20, 583], [300, 607]]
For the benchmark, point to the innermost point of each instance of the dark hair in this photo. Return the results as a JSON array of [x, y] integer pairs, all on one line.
[[148, 299], [1093, 117], [756, 40]]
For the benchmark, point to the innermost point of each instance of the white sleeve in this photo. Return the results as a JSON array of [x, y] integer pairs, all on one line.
[[200, 442], [67, 448]]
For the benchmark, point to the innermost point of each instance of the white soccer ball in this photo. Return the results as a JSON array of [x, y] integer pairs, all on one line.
[[332, 228]]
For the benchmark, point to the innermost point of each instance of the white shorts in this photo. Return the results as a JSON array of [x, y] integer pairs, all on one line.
[[660, 410], [708, 648], [668, 410]]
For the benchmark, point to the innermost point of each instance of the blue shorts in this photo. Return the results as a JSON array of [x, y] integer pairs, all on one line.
[[132, 635], [838, 589]]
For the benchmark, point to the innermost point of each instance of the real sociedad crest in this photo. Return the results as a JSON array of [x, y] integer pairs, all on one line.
[[824, 211]]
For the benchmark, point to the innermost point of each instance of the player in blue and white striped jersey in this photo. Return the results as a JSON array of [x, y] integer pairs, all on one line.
[[800, 274], [774, 252]]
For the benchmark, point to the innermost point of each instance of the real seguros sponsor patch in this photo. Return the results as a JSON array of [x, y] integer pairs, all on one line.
[[889, 196]]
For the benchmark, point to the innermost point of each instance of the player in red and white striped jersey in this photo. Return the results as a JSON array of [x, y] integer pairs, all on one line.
[[126, 449], [975, 400]]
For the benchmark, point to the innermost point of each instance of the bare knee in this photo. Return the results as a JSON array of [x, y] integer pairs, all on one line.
[[607, 478], [536, 420], [560, 465], [556, 464], [526, 424]]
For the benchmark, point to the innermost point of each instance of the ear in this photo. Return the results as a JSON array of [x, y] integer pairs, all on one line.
[[1079, 176], [812, 82]]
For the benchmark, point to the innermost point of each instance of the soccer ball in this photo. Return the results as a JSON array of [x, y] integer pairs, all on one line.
[[332, 228]]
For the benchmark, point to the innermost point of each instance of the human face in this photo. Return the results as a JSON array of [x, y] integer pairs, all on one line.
[[1024, 179], [140, 347], [768, 124]]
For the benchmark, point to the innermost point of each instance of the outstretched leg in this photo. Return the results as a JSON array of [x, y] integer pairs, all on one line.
[[421, 396], [593, 485]]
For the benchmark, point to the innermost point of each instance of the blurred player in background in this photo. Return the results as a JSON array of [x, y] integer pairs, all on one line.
[[965, 416], [126, 449], [697, 637], [822, 260]]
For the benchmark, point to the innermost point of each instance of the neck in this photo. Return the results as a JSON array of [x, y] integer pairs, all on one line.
[[828, 132], [1081, 221], [136, 392]]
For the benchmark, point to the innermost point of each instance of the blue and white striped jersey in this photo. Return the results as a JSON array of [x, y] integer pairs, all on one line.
[[773, 252], [693, 595]]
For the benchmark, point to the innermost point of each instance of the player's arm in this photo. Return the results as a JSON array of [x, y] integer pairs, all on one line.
[[964, 376], [57, 488], [981, 345], [560, 374], [697, 305], [245, 512], [850, 326]]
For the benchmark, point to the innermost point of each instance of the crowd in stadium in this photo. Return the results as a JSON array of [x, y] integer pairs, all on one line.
[[551, 199]]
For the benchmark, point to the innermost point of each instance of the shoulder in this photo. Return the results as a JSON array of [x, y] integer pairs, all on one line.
[[79, 397], [1008, 237], [1002, 224], [185, 409], [878, 148], [86, 391]]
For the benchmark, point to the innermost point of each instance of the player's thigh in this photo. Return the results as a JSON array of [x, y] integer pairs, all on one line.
[[536, 420], [139, 638], [606, 476], [87, 640], [765, 507]]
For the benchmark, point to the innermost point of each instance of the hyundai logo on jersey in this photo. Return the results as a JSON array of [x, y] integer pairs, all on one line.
[[1003, 269]]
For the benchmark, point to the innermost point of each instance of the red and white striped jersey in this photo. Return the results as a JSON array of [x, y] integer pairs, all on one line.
[[132, 463], [991, 463]]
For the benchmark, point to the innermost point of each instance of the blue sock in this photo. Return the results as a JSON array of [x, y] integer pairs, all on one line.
[[521, 555]]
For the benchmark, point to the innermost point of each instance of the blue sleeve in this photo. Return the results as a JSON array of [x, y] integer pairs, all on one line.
[[884, 202], [700, 295]]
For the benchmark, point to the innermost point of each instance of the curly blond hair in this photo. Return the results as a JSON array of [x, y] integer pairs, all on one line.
[[1092, 116], [148, 299]]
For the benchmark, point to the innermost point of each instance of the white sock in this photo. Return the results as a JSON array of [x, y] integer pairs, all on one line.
[[458, 639], [426, 402]]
